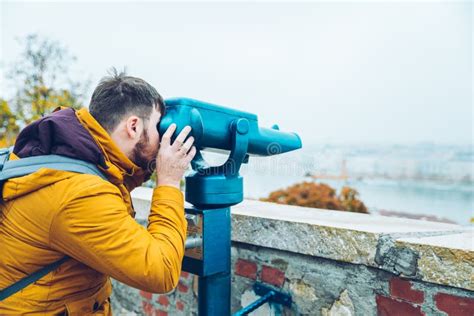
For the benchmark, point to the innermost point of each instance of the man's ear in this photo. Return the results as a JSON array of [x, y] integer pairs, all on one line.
[[134, 127]]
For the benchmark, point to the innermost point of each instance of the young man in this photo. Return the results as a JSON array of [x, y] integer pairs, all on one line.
[[50, 214]]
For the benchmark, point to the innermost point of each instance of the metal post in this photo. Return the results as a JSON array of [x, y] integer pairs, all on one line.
[[214, 285], [214, 295], [212, 262]]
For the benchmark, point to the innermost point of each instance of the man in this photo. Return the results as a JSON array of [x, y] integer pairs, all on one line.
[[50, 213]]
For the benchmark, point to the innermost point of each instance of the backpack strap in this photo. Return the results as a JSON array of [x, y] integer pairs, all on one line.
[[4, 154], [25, 166], [35, 276], [17, 168]]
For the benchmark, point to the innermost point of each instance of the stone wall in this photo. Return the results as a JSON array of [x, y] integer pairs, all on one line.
[[331, 263]]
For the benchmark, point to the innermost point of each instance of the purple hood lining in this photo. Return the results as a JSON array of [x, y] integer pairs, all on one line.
[[59, 133]]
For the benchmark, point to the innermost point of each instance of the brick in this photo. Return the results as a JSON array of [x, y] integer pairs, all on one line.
[[146, 295], [159, 312], [163, 300], [387, 306], [454, 305], [402, 289], [182, 287], [179, 305], [147, 308], [246, 269], [272, 276]]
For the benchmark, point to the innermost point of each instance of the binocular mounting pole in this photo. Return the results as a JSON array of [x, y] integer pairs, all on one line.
[[212, 190]]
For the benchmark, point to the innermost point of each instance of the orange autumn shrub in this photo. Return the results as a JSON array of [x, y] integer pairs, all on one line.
[[350, 202], [318, 195]]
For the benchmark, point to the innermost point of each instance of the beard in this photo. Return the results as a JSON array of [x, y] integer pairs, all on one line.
[[139, 156]]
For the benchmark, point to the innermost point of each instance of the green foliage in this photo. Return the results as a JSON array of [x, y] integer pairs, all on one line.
[[42, 83], [42, 79], [8, 127]]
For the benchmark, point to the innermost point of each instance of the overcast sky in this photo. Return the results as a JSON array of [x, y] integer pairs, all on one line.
[[358, 72]]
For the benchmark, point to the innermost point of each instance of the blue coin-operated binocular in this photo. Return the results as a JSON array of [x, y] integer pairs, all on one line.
[[213, 189], [217, 127]]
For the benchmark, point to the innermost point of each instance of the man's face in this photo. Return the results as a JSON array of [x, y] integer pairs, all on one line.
[[145, 151]]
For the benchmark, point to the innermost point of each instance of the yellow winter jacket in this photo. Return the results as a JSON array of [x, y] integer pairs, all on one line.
[[49, 214]]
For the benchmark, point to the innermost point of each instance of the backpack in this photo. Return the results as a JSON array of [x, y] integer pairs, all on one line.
[[22, 167]]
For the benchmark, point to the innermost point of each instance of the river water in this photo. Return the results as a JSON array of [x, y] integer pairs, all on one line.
[[424, 179]]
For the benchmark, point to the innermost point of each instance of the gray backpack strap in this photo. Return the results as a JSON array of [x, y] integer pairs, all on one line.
[[4, 154], [25, 166]]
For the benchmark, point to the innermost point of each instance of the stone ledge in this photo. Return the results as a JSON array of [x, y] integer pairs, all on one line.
[[433, 252], [445, 259]]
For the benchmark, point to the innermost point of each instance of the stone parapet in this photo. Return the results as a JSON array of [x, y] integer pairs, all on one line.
[[433, 252]]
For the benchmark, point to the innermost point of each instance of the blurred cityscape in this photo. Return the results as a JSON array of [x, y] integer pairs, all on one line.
[[426, 181]]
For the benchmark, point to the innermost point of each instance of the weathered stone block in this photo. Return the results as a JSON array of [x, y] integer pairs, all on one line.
[[304, 296], [341, 307]]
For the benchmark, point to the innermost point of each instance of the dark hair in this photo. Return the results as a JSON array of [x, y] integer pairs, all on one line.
[[118, 95]]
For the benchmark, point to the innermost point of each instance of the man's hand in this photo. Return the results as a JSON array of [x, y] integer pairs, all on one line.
[[172, 160]]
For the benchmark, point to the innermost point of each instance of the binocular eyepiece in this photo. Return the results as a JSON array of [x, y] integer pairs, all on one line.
[[213, 126]]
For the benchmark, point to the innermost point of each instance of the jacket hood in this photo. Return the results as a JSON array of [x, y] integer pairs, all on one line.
[[60, 133], [75, 134]]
